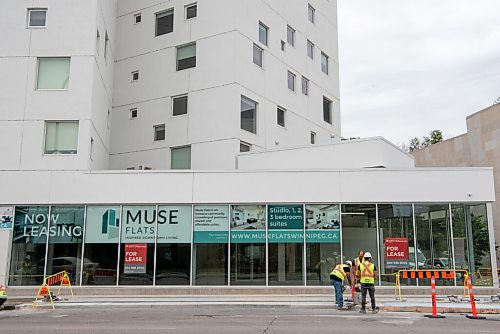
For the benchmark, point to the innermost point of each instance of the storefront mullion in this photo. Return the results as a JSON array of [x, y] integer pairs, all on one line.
[[155, 246], [119, 247], [452, 244], [379, 271], [83, 243]]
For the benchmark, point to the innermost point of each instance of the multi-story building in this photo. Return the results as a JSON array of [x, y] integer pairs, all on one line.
[[243, 95], [479, 147], [165, 84]]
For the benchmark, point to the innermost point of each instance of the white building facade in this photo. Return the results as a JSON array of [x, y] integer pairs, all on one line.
[[244, 94]]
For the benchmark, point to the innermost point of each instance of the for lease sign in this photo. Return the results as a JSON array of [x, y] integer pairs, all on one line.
[[396, 252], [135, 259]]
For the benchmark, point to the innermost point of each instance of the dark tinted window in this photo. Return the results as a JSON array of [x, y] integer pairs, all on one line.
[[191, 11], [327, 110], [180, 105], [165, 22]]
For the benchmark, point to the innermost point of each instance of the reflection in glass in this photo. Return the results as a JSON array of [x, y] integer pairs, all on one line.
[[28, 245], [481, 245], [285, 264], [434, 239], [359, 231], [321, 258], [65, 241], [172, 264], [210, 264], [248, 264], [99, 264], [396, 228]]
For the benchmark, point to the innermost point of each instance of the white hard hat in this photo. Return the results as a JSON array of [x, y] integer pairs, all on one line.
[[367, 255], [349, 263]]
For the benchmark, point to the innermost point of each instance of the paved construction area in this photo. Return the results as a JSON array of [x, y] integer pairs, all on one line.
[[233, 319]]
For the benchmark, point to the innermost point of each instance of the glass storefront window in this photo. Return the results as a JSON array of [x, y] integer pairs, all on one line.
[[248, 248], [322, 242], [397, 242], [359, 231], [482, 271], [434, 239], [210, 264], [285, 264], [100, 259], [65, 241], [173, 250], [137, 245], [28, 245], [211, 236], [321, 258]]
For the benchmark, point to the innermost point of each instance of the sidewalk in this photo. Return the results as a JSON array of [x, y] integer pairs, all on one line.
[[484, 304]]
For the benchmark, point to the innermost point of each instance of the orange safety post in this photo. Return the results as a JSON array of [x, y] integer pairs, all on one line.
[[434, 306], [472, 302]]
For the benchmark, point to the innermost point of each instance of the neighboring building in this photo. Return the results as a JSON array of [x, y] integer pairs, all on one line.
[[479, 147], [244, 94]]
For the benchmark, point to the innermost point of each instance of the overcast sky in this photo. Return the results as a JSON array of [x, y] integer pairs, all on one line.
[[411, 66]]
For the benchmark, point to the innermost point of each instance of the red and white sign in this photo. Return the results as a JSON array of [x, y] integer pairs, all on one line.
[[135, 258], [396, 252]]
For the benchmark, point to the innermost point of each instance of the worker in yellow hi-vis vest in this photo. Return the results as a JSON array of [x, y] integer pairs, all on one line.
[[337, 276], [3, 294], [367, 278]]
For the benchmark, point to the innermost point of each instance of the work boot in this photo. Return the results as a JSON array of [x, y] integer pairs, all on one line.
[[363, 311], [375, 310]]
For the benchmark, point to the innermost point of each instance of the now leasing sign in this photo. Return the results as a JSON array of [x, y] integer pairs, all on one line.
[[396, 252], [135, 258]]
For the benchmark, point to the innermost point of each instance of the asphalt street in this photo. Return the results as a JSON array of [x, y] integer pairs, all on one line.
[[234, 319]]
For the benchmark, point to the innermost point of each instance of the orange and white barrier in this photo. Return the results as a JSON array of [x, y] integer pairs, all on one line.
[[44, 290], [472, 302], [434, 301]]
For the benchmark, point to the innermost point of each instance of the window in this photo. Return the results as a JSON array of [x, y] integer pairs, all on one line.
[[245, 147], [53, 73], [327, 110], [283, 45], [37, 18], [290, 35], [134, 76], [61, 137], [137, 18], [180, 105], [263, 33], [106, 45], [133, 113], [257, 55], [324, 63], [311, 13], [280, 115], [180, 158], [291, 81], [248, 115], [305, 86], [159, 132], [310, 49], [186, 56], [98, 42], [164, 22], [313, 137], [191, 11]]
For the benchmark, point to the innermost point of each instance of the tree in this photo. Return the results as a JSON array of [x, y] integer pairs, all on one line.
[[414, 144], [436, 136]]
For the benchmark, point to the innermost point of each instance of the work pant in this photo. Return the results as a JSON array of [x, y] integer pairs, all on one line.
[[371, 290], [2, 300], [339, 297]]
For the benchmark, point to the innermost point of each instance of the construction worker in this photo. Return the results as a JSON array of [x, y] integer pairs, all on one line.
[[367, 278], [337, 276], [3, 294], [356, 276]]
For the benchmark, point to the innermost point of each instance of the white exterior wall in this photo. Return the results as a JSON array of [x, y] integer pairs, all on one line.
[[362, 153], [224, 32], [70, 32]]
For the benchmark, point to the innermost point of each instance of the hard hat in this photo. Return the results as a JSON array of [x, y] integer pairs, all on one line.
[[367, 255], [349, 263]]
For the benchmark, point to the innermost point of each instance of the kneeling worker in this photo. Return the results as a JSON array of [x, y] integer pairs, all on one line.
[[337, 276], [3, 294], [367, 278]]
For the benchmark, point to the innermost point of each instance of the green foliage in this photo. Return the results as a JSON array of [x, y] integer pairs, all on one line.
[[435, 136]]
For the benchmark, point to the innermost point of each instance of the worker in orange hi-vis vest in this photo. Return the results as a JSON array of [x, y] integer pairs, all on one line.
[[367, 279]]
